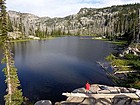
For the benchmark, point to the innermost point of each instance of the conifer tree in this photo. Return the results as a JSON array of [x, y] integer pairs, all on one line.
[[14, 94], [46, 31], [9, 25], [138, 35]]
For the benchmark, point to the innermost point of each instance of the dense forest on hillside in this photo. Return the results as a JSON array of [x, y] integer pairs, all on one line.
[[116, 22]]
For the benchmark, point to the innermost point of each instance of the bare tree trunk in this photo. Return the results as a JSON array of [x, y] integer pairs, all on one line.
[[7, 56]]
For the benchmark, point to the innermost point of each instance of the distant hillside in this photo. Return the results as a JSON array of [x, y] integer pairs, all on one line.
[[112, 22]]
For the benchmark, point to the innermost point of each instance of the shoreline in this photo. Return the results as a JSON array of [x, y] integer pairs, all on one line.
[[29, 39], [99, 95]]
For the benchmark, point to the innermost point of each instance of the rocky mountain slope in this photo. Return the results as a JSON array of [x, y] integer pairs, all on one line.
[[110, 21]]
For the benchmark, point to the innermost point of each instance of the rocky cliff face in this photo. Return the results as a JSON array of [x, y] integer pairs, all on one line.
[[88, 21]]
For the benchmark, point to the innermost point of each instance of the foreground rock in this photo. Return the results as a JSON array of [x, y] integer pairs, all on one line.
[[43, 102], [103, 95]]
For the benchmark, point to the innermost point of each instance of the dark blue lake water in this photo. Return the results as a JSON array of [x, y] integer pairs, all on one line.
[[46, 68]]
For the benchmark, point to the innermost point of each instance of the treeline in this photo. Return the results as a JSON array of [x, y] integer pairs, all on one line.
[[124, 24], [54, 32], [38, 30], [116, 22]]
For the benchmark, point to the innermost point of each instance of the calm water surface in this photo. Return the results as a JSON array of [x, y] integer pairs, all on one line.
[[46, 68]]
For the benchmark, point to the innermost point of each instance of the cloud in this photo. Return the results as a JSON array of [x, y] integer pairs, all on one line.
[[60, 8], [118, 2]]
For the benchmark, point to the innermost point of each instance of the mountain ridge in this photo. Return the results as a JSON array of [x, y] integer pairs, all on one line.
[[108, 21]]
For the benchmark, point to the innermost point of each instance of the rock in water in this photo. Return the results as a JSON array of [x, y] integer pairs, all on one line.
[[43, 102]]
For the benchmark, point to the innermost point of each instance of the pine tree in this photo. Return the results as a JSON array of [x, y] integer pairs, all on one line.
[[38, 32], [14, 94], [9, 25], [138, 35], [46, 31], [21, 26]]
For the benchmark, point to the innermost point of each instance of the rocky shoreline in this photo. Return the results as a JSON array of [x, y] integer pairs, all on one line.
[[100, 95], [103, 94]]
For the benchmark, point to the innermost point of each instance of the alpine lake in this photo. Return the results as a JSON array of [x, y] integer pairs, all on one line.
[[47, 68]]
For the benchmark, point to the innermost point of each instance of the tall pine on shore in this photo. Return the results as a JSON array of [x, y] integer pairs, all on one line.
[[14, 93]]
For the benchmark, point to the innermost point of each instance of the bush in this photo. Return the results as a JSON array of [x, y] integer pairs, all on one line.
[[133, 81], [131, 57], [135, 64], [111, 57], [119, 62]]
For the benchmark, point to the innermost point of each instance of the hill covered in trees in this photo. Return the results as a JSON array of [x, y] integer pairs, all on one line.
[[116, 22], [112, 22]]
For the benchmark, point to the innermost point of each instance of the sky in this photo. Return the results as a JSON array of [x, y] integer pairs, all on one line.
[[60, 8]]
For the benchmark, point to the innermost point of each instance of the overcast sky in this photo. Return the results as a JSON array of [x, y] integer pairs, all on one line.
[[60, 8]]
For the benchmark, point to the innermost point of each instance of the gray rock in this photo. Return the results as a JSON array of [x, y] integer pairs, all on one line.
[[43, 102]]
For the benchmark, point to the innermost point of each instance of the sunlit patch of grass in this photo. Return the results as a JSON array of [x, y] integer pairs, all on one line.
[[119, 43], [20, 40], [28, 39]]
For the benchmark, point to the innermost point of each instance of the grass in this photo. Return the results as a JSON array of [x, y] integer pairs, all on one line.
[[133, 79], [119, 43], [21, 40], [28, 39]]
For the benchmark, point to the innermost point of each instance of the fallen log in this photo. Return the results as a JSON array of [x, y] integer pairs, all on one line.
[[119, 72], [97, 96]]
